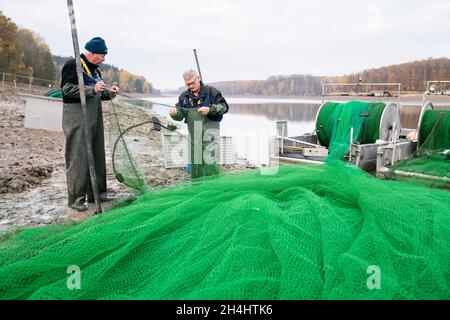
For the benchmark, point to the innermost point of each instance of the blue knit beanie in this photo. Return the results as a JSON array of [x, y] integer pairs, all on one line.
[[96, 45]]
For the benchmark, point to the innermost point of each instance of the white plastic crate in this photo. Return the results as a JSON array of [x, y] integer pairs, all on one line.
[[43, 113], [176, 150], [227, 150]]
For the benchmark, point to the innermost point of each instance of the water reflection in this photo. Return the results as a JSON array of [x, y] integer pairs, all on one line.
[[278, 111], [251, 125], [409, 116]]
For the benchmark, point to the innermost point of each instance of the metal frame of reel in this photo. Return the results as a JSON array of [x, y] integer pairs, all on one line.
[[307, 148], [398, 151]]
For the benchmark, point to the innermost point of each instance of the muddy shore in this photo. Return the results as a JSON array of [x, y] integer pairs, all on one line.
[[33, 190], [33, 187]]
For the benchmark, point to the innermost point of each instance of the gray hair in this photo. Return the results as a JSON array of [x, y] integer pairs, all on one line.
[[190, 74]]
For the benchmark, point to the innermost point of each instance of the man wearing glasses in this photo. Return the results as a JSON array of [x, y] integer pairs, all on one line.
[[202, 107]]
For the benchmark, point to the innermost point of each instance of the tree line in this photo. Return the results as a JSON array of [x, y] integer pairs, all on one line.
[[24, 52], [412, 75]]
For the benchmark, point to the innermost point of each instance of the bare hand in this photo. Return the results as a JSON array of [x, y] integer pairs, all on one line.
[[99, 86], [115, 89], [203, 111], [173, 111]]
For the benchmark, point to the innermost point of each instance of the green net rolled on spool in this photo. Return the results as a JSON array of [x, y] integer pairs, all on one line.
[[430, 164], [371, 124], [434, 132], [335, 120], [326, 120], [435, 165]]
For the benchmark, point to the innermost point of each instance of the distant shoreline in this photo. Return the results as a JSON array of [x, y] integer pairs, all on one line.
[[404, 98], [144, 95]]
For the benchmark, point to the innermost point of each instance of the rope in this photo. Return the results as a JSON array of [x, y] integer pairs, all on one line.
[[128, 96]]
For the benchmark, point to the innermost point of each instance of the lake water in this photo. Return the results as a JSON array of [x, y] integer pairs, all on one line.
[[252, 121]]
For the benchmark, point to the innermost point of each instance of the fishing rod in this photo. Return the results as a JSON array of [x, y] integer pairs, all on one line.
[[88, 136], [198, 65]]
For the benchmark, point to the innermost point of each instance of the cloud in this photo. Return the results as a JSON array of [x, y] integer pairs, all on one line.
[[245, 39], [374, 20]]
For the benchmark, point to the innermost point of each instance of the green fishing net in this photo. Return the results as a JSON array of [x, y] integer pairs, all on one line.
[[306, 232], [335, 121], [430, 164], [143, 145]]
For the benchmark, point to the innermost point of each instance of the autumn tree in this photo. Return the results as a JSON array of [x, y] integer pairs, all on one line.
[[10, 50], [36, 55], [24, 52]]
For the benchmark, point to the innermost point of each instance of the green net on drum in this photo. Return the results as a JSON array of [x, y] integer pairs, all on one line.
[[335, 122], [430, 164], [307, 232]]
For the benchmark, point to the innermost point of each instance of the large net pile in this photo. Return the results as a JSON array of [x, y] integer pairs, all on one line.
[[307, 232], [430, 164], [335, 121]]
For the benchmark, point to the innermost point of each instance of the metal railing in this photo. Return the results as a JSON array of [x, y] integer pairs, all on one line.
[[436, 87], [363, 89], [441, 87]]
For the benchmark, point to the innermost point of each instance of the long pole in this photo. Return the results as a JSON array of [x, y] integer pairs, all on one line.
[[198, 65], [90, 154]]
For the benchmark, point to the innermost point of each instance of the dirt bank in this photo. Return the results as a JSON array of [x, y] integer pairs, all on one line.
[[33, 189], [28, 156]]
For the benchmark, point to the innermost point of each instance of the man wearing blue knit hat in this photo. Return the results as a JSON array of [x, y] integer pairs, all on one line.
[[77, 169]]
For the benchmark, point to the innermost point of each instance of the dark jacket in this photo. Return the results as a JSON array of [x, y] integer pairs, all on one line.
[[208, 97], [69, 81]]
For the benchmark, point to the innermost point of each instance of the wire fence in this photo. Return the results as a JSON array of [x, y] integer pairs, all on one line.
[[25, 83]]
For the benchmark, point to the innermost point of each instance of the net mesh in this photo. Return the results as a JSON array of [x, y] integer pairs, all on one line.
[[149, 152], [135, 136], [307, 232], [430, 164]]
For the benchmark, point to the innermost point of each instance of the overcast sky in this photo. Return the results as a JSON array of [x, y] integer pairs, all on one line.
[[244, 39]]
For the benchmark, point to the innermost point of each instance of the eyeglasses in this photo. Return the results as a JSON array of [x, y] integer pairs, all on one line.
[[188, 84]]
